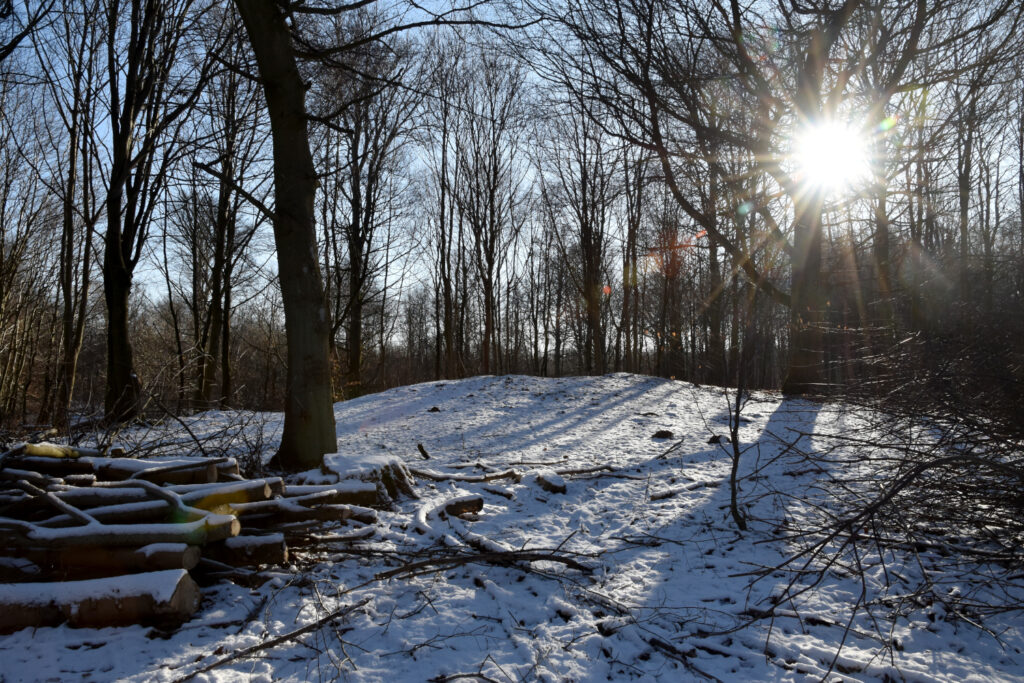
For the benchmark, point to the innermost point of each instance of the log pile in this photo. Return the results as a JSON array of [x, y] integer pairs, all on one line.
[[96, 540]]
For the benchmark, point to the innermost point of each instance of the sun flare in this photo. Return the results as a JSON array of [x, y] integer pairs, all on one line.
[[832, 156]]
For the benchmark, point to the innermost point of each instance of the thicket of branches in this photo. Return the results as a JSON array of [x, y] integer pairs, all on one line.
[[608, 186]]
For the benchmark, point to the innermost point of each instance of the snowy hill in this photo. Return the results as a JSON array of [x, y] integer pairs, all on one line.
[[646, 576]]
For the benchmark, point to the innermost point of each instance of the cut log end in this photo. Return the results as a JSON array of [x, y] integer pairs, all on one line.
[[465, 506], [241, 551], [550, 481]]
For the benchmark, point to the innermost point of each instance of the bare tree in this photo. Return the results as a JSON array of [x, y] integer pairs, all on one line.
[[583, 160], [490, 191], [309, 416], [442, 119], [150, 91], [231, 109], [16, 26], [28, 216], [666, 56], [371, 106], [75, 39]]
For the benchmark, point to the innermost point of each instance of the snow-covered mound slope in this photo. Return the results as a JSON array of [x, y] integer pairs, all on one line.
[[647, 577]]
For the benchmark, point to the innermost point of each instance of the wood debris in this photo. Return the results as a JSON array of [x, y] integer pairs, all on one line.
[[97, 540]]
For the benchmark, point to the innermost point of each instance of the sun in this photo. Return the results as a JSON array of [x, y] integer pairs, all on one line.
[[832, 157]]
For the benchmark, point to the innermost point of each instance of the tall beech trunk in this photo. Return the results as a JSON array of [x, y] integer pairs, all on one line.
[[354, 377], [964, 169], [123, 388], [74, 312], [715, 360], [210, 340], [805, 374], [807, 310], [488, 340], [881, 248], [309, 417], [225, 347]]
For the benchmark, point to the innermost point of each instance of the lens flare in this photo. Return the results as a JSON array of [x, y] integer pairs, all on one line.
[[832, 156]]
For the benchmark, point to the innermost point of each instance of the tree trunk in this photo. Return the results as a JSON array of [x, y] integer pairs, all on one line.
[[805, 373], [225, 347], [881, 247], [309, 417], [71, 343], [355, 335], [356, 255], [714, 360], [123, 387], [209, 352], [806, 313], [485, 350], [964, 168], [592, 297]]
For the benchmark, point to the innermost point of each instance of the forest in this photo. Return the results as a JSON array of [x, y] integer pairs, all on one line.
[[529, 192], [244, 222]]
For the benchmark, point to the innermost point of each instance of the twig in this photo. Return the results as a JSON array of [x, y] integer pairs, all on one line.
[[470, 478], [508, 557], [274, 642], [680, 656]]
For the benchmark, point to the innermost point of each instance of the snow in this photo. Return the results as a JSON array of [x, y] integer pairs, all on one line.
[[355, 465], [160, 585], [342, 487], [243, 542], [127, 534], [669, 575], [157, 548]]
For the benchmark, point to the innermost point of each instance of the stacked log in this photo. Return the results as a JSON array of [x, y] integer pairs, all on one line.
[[169, 596], [96, 540]]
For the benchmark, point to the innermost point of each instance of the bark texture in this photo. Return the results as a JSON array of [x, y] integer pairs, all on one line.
[[309, 416]]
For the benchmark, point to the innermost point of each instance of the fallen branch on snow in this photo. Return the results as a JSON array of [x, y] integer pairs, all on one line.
[[501, 558], [274, 642]]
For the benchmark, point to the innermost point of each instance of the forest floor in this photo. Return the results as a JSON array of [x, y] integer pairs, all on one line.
[[638, 584]]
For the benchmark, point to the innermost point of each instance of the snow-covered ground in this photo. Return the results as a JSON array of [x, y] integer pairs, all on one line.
[[667, 595]]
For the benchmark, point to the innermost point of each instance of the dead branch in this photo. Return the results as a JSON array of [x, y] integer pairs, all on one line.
[[339, 613], [507, 558]]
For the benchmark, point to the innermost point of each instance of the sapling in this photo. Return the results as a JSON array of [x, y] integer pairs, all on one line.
[[734, 438]]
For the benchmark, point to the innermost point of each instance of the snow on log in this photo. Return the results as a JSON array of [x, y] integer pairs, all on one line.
[[349, 492], [165, 471], [453, 506], [389, 473], [276, 485], [94, 561], [15, 474], [241, 551], [206, 530], [163, 504], [144, 512], [188, 471], [286, 511], [203, 496], [668, 493], [360, 534], [18, 569], [434, 475], [155, 597], [550, 481], [209, 497], [464, 505]]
